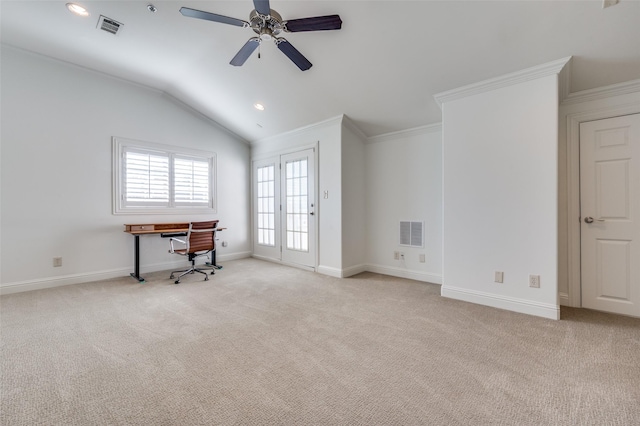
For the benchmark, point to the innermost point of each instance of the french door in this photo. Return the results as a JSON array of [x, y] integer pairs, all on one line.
[[284, 208]]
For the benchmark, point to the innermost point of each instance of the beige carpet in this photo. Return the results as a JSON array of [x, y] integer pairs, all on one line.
[[262, 344]]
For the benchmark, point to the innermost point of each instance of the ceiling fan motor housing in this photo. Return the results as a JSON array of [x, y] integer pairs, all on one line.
[[266, 26]]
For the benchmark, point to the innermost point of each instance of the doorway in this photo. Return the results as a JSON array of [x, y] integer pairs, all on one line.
[[284, 208], [610, 214]]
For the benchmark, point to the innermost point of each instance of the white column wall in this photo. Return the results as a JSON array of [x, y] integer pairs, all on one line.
[[353, 202], [501, 196]]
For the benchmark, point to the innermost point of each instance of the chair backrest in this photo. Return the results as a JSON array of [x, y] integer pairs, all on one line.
[[201, 236]]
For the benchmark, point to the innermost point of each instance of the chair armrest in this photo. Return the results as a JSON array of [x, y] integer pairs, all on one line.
[[172, 239]]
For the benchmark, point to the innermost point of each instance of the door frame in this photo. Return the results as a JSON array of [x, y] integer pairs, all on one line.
[[606, 108], [316, 188]]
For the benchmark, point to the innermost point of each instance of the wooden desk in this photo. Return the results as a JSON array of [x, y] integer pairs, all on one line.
[[173, 229]]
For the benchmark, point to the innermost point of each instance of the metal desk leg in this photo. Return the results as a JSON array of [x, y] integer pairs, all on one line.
[[213, 263], [136, 249]]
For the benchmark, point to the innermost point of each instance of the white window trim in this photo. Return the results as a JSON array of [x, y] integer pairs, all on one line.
[[118, 148]]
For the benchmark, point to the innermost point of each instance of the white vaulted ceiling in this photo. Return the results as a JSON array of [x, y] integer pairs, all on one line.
[[381, 69]]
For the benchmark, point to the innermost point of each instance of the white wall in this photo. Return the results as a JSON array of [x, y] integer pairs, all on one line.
[[501, 196], [57, 124], [327, 135], [404, 182], [353, 200]]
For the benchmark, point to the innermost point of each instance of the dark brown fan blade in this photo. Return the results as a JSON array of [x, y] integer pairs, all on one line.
[[193, 13], [293, 54], [262, 7], [318, 23], [246, 51]]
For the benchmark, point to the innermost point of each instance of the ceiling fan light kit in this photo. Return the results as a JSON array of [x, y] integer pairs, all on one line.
[[268, 25]]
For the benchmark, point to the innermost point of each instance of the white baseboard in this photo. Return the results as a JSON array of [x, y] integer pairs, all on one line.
[[385, 270], [39, 284], [353, 270], [50, 282], [331, 271], [232, 256], [341, 273], [404, 273], [502, 302]]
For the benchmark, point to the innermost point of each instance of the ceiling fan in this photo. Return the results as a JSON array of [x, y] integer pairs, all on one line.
[[268, 24]]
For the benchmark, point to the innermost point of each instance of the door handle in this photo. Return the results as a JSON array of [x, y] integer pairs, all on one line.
[[311, 213], [589, 219]]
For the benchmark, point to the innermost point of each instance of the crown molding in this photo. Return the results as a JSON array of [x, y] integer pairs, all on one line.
[[351, 125], [416, 131], [618, 89], [533, 73], [564, 80]]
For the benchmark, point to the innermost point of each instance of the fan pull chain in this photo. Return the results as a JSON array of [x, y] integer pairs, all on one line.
[[259, 45]]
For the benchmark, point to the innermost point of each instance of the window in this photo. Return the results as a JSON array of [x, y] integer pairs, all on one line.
[[153, 178]]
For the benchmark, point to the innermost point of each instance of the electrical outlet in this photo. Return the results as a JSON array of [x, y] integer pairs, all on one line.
[[423, 258], [534, 281], [499, 277], [57, 262], [396, 255]]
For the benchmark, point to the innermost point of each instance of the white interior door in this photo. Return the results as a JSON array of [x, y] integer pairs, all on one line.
[[610, 214], [284, 224]]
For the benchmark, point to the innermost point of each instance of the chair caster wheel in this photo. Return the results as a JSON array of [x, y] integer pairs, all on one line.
[[171, 277], [213, 272], [206, 278], [177, 282]]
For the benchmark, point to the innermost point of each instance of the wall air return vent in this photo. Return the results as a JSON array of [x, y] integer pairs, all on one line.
[[109, 25], [412, 234]]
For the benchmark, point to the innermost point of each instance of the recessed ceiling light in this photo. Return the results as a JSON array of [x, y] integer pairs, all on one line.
[[258, 106], [152, 8], [77, 9]]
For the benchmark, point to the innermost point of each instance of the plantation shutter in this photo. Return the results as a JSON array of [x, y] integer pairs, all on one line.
[[192, 181], [146, 178]]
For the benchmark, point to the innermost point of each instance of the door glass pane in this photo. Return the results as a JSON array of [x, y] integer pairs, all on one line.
[[266, 205], [296, 200]]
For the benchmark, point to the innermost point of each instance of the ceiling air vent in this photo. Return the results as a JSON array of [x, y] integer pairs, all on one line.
[[109, 25]]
